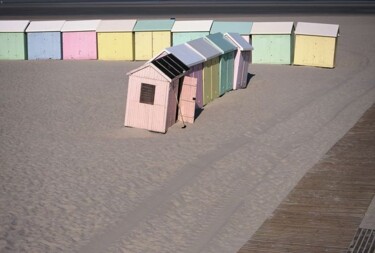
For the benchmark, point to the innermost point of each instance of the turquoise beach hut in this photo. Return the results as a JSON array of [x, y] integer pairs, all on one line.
[[13, 39], [272, 42], [242, 28], [187, 30], [226, 69]]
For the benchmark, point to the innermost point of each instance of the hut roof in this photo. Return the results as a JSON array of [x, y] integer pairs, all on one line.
[[45, 26], [272, 28], [170, 65], [204, 48], [121, 25], [218, 40], [186, 54], [153, 25], [80, 25], [243, 28], [192, 26], [327, 30], [13, 25], [240, 42]]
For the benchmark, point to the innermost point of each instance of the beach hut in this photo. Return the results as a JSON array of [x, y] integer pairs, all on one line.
[[210, 68], [13, 39], [241, 60], [242, 28], [315, 44], [151, 37], [153, 91], [226, 59], [116, 39], [79, 39], [194, 61], [187, 30], [272, 42], [44, 40]]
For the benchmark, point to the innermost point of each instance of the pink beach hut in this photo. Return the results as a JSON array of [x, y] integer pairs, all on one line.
[[194, 61], [153, 92], [79, 40], [241, 60]]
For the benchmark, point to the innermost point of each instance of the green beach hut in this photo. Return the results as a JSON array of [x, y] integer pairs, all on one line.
[[151, 37], [226, 65], [13, 44], [272, 42]]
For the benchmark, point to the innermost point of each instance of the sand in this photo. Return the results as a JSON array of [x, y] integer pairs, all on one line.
[[73, 179]]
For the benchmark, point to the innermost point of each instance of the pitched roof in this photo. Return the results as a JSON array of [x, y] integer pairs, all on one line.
[[45, 26], [204, 48], [186, 54], [272, 28], [80, 25], [327, 30], [153, 25], [13, 25], [170, 65], [218, 40], [243, 28], [120, 25], [240, 42], [192, 26]]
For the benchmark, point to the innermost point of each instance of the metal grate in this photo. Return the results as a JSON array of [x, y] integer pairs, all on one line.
[[147, 94], [363, 242]]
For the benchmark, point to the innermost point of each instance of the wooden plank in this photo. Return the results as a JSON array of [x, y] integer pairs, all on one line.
[[322, 213]]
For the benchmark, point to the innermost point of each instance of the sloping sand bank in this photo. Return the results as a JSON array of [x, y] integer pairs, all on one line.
[[72, 179]]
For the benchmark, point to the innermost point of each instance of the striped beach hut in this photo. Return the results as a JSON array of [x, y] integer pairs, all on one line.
[[241, 61], [152, 98], [13, 39], [272, 42], [44, 40], [79, 40], [315, 44], [226, 66], [210, 68], [242, 28], [187, 30], [151, 37], [116, 39]]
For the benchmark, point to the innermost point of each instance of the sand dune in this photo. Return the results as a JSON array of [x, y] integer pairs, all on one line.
[[74, 180]]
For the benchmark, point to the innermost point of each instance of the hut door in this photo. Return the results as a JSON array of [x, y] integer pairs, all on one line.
[[187, 99]]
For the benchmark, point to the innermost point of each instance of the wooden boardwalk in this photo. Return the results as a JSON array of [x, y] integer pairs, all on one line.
[[324, 210]]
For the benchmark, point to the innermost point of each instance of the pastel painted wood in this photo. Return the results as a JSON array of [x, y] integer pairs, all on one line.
[[187, 99], [13, 44]]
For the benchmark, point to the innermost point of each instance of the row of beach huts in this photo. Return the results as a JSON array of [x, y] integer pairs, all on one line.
[[308, 44]]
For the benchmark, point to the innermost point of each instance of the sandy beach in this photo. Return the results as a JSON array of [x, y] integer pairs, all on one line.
[[73, 179]]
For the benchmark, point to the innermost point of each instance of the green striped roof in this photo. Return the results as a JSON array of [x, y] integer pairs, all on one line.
[[153, 25], [243, 28]]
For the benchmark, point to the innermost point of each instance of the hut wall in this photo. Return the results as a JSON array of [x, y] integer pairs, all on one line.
[[226, 72], [12, 46], [183, 37], [160, 41], [44, 45], [171, 111], [197, 72], [149, 44], [315, 51], [210, 80], [79, 45], [272, 49], [115, 46]]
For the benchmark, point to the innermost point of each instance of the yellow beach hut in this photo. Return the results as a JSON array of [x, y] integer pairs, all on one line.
[[151, 37], [116, 39], [315, 44]]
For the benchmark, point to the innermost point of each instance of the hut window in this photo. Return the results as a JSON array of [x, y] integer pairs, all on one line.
[[147, 94]]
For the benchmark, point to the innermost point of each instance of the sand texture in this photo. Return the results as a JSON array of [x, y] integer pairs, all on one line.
[[73, 179]]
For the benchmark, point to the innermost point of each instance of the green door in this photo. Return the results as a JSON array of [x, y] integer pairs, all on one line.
[[215, 78], [12, 46], [207, 82], [230, 71], [223, 74]]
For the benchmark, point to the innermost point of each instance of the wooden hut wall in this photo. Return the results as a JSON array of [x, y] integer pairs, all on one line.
[[183, 37], [115, 46], [12, 46], [272, 49], [44, 45], [210, 80], [79, 46]]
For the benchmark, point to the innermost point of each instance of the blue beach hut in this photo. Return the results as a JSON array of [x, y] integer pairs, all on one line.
[[44, 40]]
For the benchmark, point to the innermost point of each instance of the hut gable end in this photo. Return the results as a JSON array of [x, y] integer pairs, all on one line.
[[149, 72]]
